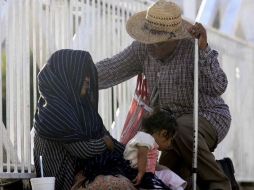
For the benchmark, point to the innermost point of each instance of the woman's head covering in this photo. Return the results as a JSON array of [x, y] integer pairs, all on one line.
[[62, 114]]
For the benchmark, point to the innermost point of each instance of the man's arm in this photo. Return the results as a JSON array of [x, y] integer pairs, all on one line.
[[212, 80], [121, 67]]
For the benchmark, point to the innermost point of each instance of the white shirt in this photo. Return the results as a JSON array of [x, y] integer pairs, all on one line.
[[131, 149]]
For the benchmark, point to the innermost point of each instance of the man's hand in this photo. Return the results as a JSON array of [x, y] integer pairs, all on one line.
[[109, 142], [198, 31]]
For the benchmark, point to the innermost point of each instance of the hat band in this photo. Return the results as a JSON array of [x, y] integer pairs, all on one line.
[[173, 27], [147, 28], [150, 16]]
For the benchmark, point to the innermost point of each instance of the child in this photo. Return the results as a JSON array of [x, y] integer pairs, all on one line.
[[157, 132]]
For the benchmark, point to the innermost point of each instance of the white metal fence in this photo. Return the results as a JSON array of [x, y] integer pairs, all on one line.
[[30, 30], [15, 88]]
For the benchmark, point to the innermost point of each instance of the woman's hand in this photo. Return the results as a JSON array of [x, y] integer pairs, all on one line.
[[109, 142], [198, 31]]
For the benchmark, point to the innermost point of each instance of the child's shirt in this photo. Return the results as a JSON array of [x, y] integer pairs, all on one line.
[[131, 150]]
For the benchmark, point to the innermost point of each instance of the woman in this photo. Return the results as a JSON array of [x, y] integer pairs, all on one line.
[[70, 134], [69, 131]]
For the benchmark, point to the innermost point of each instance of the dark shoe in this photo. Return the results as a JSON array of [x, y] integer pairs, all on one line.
[[228, 168]]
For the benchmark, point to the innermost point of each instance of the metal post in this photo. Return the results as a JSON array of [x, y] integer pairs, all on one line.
[[195, 114], [195, 111]]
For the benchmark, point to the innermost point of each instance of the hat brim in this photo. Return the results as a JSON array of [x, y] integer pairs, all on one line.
[[136, 29]]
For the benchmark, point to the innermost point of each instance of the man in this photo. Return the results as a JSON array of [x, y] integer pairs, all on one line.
[[164, 52]]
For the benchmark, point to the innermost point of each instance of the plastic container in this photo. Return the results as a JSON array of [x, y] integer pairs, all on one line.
[[43, 183]]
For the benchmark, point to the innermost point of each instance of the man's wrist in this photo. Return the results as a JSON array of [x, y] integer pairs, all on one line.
[[203, 46], [203, 53]]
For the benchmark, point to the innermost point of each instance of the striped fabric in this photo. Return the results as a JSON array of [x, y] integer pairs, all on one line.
[[68, 128], [62, 114], [174, 79], [63, 160]]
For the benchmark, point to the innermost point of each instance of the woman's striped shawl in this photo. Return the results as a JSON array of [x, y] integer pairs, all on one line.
[[61, 114]]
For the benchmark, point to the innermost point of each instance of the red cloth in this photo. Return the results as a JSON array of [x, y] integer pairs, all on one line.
[[139, 107], [152, 158]]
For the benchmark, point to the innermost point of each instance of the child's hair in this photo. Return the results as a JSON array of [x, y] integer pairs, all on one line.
[[161, 118]]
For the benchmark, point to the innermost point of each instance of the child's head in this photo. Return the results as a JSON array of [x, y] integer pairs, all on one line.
[[161, 124]]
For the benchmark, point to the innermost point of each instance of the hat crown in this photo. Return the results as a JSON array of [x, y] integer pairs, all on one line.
[[160, 22], [164, 16]]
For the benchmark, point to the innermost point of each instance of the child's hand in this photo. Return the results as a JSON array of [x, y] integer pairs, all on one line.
[[138, 178]]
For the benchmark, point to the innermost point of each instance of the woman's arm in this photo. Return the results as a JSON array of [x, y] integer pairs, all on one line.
[[86, 149]]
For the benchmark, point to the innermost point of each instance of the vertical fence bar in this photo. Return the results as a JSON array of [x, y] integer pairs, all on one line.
[[108, 24], [10, 63], [52, 26], [109, 92], [27, 91], [34, 63], [122, 45], [61, 24], [93, 21], [7, 77], [9, 19], [76, 19], [67, 25], [19, 86], [56, 23], [102, 17], [34, 53], [16, 54], [98, 26], [70, 27], [2, 127], [113, 27], [46, 31], [117, 88], [113, 98], [40, 20]]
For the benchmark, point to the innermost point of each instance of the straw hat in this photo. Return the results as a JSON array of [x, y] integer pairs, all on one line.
[[161, 22]]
